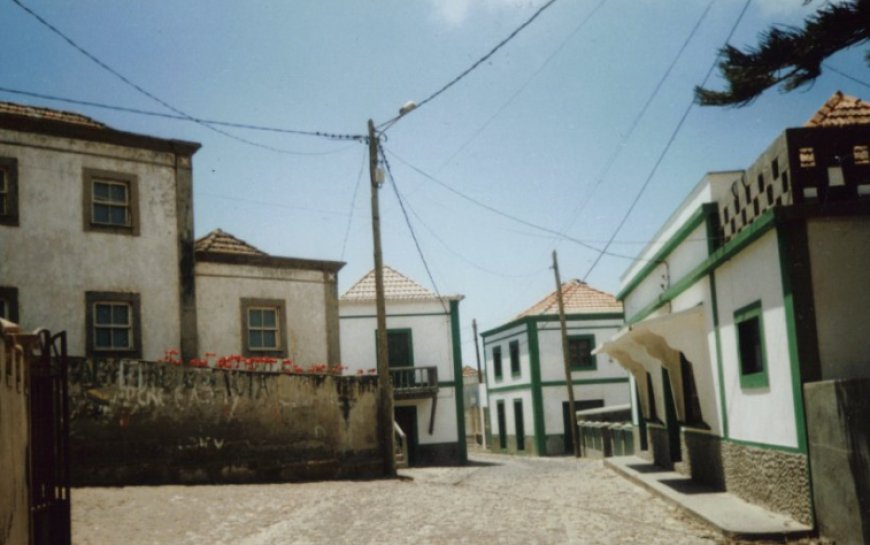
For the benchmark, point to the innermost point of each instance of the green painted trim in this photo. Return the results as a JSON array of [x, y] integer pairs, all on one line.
[[525, 320], [447, 384], [499, 340], [409, 315], [791, 242], [578, 382], [696, 219], [537, 394], [456, 339], [744, 238], [581, 328], [511, 388], [758, 379], [714, 299]]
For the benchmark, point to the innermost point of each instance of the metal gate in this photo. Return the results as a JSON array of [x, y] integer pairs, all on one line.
[[49, 442]]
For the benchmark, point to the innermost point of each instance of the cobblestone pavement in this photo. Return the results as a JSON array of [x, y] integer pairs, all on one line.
[[498, 500]]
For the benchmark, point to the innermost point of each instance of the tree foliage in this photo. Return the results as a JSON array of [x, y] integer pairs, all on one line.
[[788, 56]]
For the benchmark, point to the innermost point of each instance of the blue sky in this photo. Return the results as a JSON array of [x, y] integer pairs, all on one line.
[[529, 132]]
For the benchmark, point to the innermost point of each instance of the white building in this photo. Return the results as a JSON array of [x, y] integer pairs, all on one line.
[[96, 238], [425, 359], [525, 371], [752, 290]]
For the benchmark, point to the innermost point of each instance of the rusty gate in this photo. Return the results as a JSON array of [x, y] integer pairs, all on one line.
[[49, 442]]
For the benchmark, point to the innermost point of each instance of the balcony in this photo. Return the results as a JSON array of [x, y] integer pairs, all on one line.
[[414, 382]]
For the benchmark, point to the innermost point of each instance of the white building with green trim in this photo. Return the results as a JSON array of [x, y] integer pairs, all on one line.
[[525, 372], [754, 288], [425, 359]]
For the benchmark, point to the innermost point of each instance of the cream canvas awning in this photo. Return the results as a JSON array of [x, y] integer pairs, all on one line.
[[657, 342]]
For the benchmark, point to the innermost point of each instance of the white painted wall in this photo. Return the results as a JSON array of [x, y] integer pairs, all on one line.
[[62, 261], [220, 288], [840, 268], [510, 420], [550, 349], [763, 415], [445, 417], [503, 339]]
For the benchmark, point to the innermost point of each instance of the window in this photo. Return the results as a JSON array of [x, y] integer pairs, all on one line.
[[774, 168], [263, 327], [496, 362], [113, 324], [9, 303], [580, 353], [750, 346], [110, 202], [861, 155], [514, 348], [8, 191], [519, 424], [501, 421], [807, 157]]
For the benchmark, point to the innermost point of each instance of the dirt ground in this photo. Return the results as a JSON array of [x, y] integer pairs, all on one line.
[[498, 500]]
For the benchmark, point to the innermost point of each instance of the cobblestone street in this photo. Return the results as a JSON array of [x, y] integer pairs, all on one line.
[[498, 500]]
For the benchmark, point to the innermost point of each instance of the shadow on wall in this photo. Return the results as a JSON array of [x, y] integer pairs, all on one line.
[[137, 422]]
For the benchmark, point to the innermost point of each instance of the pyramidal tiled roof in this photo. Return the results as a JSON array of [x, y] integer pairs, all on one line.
[[397, 286], [578, 298], [221, 242], [35, 112], [841, 110]]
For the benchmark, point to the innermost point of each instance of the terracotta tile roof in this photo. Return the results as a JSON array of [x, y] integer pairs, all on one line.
[[469, 371], [220, 242], [35, 112], [841, 110], [397, 287], [578, 297]]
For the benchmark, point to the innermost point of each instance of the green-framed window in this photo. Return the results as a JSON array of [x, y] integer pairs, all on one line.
[[514, 350], [580, 356], [496, 362], [751, 352]]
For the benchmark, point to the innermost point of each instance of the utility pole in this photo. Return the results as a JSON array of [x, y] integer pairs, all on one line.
[[481, 422], [386, 387], [573, 415]]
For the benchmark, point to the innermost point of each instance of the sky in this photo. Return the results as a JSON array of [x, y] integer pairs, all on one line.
[[530, 132]]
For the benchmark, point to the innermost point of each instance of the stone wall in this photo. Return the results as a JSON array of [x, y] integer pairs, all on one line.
[[152, 423], [839, 437], [775, 479], [14, 419]]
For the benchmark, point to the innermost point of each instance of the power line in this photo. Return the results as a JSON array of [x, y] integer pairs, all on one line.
[[320, 134], [352, 203], [137, 87], [410, 227], [635, 122], [525, 84], [845, 75], [505, 214], [664, 151], [478, 62]]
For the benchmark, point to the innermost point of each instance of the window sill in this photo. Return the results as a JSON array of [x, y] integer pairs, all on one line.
[[754, 381]]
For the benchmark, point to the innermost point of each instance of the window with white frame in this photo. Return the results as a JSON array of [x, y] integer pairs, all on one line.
[[113, 324], [8, 191], [110, 202], [263, 326]]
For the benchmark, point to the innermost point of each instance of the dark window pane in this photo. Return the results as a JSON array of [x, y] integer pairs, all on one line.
[[118, 215], [3, 310], [2, 204], [101, 213], [269, 339], [268, 318], [255, 339], [104, 314], [102, 337], [101, 191], [118, 193], [120, 314], [121, 338], [749, 337], [255, 318]]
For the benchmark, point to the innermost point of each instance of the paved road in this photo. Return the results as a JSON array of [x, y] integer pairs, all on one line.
[[500, 500]]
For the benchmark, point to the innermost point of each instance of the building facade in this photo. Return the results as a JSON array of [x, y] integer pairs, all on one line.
[[752, 291], [525, 372], [425, 359]]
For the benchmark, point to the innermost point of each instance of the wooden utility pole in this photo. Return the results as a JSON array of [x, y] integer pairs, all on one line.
[[566, 360], [481, 422], [386, 387]]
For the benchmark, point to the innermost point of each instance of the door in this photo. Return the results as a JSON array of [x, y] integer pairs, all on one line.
[[673, 426], [406, 418], [519, 424], [399, 350], [502, 432]]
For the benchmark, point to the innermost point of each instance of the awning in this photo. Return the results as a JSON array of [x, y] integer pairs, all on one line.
[[658, 341]]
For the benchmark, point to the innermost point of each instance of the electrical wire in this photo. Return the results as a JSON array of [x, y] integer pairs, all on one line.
[[140, 89], [634, 124], [525, 84], [384, 126], [410, 227], [352, 203], [320, 134], [505, 214], [664, 152], [845, 75]]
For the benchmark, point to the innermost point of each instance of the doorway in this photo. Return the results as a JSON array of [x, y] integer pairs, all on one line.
[[406, 418]]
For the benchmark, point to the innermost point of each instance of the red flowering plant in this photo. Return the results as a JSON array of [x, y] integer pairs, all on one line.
[[235, 362]]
